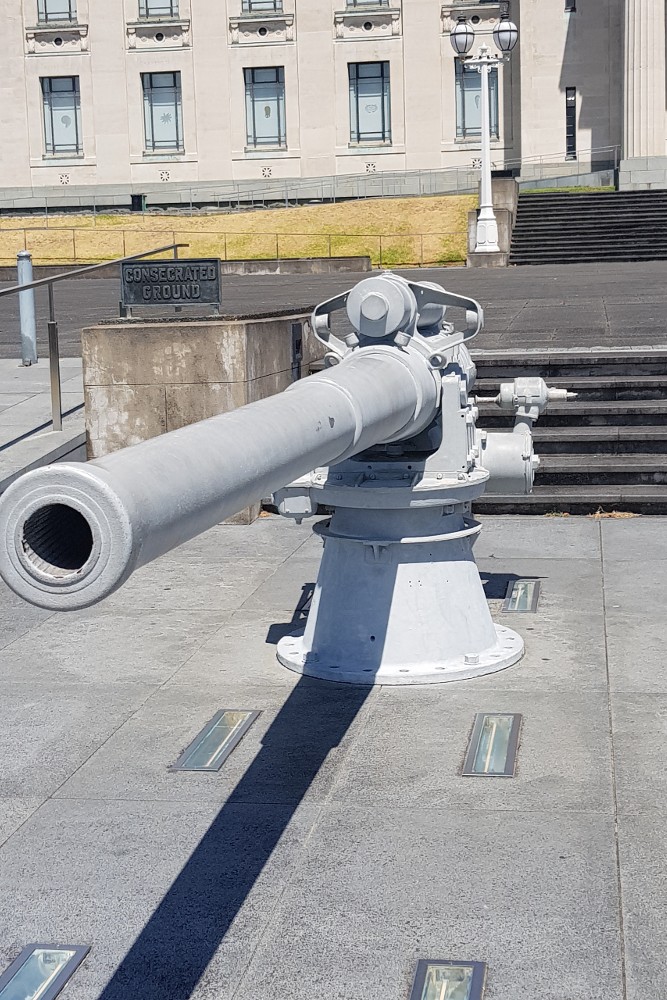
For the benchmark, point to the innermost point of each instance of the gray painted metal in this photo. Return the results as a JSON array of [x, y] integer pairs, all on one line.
[[27, 315], [143, 501], [389, 430]]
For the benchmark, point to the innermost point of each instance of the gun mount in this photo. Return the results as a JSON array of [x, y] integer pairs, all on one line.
[[385, 436]]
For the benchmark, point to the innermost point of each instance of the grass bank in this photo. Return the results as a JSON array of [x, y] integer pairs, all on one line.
[[392, 231]]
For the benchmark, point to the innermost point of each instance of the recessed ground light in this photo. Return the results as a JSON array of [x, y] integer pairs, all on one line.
[[493, 746], [522, 595], [211, 748], [41, 971], [441, 980]]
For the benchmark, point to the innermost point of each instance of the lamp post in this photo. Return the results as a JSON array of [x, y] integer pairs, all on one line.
[[505, 35]]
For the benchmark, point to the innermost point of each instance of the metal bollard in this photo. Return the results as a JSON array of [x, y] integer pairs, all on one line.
[[27, 309]]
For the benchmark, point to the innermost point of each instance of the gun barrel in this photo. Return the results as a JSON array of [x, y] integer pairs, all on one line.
[[71, 534]]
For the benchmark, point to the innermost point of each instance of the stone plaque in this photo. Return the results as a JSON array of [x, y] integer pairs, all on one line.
[[170, 282]]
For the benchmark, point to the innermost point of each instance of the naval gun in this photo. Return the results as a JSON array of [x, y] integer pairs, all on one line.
[[385, 437]]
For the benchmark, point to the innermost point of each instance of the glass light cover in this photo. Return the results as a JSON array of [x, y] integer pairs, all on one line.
[[493, 746], [522, 596], [447, 982], [462, 37], [505, 34], [37, 974], [213, 745]]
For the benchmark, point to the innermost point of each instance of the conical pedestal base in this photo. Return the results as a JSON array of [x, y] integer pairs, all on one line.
[[397, 607]]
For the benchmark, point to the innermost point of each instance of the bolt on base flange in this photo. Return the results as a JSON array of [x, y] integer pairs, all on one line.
[[508, 650]]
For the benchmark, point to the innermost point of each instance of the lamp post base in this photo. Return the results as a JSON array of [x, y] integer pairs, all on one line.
[[487, 234]]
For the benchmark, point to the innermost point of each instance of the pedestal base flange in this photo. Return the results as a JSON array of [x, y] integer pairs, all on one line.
[[508, 649]]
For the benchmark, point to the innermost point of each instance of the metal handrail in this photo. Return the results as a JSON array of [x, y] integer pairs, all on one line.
[[87, 267], [52, 325]]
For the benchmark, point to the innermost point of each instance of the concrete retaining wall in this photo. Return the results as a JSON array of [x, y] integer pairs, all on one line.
[[309, 265], [143, 378]]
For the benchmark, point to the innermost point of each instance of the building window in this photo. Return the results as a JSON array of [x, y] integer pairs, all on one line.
[[252, 6], [158, 8], [370, 102], [163, 119], [56, 10], [570, 5], [265, 106], [366, 3], [570, 123], [62, 115], [469, 102]]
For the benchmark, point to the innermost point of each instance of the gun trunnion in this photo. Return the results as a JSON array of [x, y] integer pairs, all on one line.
[[385, 436]]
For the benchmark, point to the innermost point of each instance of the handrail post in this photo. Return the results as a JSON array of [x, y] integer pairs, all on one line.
[[27, 318], [177, 309], [54, 364]]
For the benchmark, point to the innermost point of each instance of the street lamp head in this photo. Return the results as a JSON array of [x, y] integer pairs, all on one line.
[[505, 34], [462, 37]]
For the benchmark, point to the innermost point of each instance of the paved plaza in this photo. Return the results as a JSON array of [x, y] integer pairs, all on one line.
[[338, 844], [570, 306]]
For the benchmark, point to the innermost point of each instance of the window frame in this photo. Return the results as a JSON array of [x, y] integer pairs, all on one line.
[[467, 132], [252, 139], [46, 87], [151, 145], [357, 138], [43, 16], [262, 7], [170, 10]]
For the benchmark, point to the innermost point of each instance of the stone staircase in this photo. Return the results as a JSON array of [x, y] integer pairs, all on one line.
[[606, 449], [570, 228]]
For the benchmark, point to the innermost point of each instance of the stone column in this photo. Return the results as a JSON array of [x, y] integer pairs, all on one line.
[[644, 73]]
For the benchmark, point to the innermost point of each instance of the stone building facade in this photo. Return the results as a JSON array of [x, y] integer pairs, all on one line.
[[123, 96]]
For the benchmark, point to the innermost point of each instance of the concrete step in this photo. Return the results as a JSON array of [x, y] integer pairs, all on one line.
[[584, 413], [596, 363], [642, 499], [601, 257], [609, 440], [594, 198], [610, 388], [602, 470], [560, 235]]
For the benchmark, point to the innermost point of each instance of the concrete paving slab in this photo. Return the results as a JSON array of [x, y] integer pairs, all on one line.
[[16, 619], [9, 399], [337, 845], [638, 539], [201, 873], [292, 753], [94, 646], [47, 733], [284, 589], [642, 847], [32, 412], [538, 537], [217, 571], [430, 729], [533, 895], [14, 812], [640, 730], [635, 630], [240, 658]]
